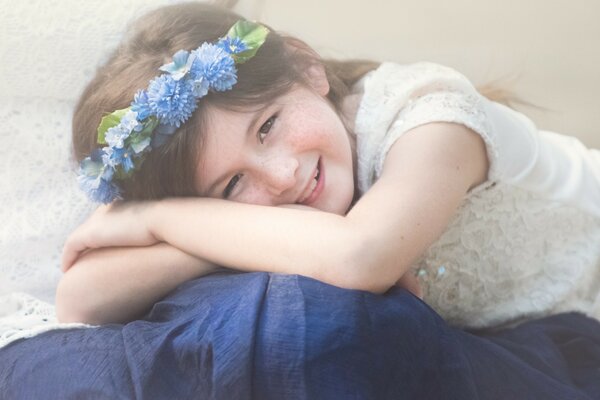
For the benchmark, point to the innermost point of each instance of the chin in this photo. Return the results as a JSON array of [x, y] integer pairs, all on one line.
[[341, 207]]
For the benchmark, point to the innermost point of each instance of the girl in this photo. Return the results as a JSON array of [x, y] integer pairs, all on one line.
[[356, 174]]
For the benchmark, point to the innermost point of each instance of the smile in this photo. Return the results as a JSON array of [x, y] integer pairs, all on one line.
[[315, 186]]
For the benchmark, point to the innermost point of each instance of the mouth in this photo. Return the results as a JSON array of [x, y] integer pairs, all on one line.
[[315, 186]]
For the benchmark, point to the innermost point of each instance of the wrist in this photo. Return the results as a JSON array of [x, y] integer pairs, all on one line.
[[154, 214]]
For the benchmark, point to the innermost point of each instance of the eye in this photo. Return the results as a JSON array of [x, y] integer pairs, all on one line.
[[231, 185], [265, 128]]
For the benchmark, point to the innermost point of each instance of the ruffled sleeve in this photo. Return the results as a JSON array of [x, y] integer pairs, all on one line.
[[398, 98]]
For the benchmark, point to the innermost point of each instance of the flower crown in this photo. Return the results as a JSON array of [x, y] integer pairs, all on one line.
[[156, 112]]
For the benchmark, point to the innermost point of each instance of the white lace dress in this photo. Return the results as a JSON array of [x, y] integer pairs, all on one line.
[[525, 243]]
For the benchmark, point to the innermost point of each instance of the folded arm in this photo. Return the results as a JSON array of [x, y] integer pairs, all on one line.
[[426, 175], [119, 284]]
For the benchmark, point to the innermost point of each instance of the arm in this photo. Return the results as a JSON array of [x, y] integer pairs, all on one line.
[[426, 175], [116, 285]]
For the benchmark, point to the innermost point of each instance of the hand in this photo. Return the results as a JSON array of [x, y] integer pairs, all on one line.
[[119, 224], [410, 282]]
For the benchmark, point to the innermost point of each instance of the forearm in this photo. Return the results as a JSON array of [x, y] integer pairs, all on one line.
[[116, 285], [320, 245]]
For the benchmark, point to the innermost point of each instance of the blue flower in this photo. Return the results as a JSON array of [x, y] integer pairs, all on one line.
[[180, 65], [98, 189], [201, 86], [115, 157], [130, 122], [94, 179], [232, 46], [115, 136], [140, 105], [94, 166], [172, 101], [214, 65]]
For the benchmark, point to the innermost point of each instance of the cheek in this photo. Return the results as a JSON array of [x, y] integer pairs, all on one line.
[[310, 126], [254, 195]]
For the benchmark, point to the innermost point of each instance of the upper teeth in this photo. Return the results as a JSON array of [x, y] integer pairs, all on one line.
[[312, 186]]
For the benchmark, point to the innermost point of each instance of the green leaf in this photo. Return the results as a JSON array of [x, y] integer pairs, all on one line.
[[121, 175], [91, 168], [108, 121], [252, 34], [140, 144], [140, 140], [149, 125]]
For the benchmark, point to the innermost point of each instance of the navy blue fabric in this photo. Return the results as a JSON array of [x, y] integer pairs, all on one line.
[[268, 336]]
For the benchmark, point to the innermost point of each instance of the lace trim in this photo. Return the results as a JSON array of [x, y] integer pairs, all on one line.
[[400, 97], [448, 106], [23, 316]]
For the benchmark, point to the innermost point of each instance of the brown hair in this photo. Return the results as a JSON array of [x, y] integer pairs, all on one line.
[[150, 42]]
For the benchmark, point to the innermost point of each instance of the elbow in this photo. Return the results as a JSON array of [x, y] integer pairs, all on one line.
[[70, 301], [359, 268], [365, 282]]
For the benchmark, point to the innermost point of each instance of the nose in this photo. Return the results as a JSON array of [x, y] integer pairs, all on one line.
[[279, 173]]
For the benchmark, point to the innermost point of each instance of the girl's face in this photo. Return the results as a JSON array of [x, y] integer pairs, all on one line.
[[294, 151]]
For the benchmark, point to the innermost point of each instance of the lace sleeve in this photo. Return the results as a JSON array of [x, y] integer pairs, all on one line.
[[448, 106], [398, 98]]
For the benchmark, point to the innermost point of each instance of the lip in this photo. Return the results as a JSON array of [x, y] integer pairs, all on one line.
[[318, 189]]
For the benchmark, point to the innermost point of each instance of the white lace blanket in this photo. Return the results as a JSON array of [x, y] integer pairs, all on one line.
[[49, 51]]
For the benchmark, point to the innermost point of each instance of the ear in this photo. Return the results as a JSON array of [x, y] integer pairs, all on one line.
[[315, 71], [317, 78]]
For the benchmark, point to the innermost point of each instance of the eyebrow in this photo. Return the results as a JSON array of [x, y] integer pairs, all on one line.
[[249, 130]]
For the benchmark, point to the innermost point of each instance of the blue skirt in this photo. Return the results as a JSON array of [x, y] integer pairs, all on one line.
[[269, 336]]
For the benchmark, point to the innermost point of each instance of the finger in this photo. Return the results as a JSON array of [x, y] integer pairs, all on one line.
[[71, 253], [411, 283]]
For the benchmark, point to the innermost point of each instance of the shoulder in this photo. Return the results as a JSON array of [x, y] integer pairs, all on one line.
[[415, 79], [399, 98], [441, 153]]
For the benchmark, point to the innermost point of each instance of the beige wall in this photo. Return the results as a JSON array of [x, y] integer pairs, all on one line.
[[548, 51]]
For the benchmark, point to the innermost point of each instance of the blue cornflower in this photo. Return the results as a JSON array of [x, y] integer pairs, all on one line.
[[172, 101], [98, 189], [140, 105], [94, 179], [214, 65], [232, 46], [94, 166], [157, 112]]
